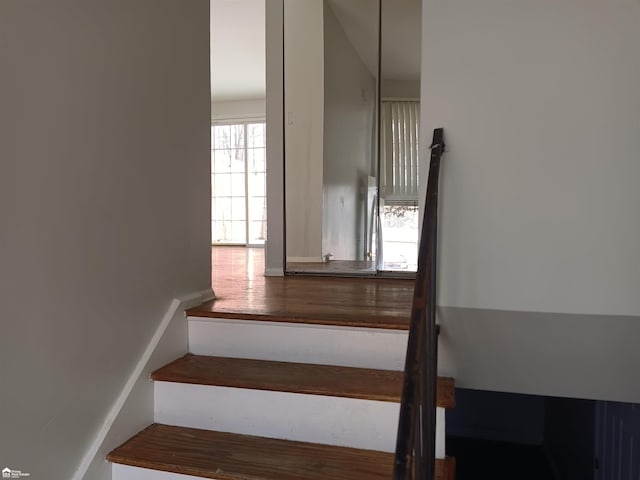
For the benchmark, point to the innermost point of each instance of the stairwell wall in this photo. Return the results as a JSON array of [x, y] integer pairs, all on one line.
[[539, 226], [104, 207]]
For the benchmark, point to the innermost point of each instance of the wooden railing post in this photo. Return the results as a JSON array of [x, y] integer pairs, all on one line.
[[415, 446]]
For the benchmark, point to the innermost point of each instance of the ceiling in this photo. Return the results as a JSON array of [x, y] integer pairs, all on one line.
[[237, 50], [401, 34], [238, 42], [401, 39]]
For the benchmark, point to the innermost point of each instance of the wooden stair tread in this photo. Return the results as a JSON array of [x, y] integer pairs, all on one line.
[[229, 456], [330, 380], [346, 317]]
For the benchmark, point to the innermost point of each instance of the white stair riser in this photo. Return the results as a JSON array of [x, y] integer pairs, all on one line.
[[126, 472], [290, 342], [347, 422]]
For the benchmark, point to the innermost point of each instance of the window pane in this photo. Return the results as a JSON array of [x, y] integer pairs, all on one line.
[[257, 184], [214, 232], [221, 209], [400, 246], [237, 184], [238, 209], [257, 208], [238, 233], [237, 160], [256, 133], [221, 161], [257, 232], [237, 136], [221, 136], [222, 232], [222, 184], [226, 233], [256, 160]]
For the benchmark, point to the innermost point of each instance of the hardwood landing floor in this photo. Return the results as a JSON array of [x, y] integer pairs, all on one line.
[[243, 291]]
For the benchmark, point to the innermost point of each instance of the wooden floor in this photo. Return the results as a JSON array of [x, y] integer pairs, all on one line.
[[243, 291], [330, 380]]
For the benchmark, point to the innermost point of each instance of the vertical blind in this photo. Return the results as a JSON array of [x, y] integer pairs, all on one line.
[[400, 125]]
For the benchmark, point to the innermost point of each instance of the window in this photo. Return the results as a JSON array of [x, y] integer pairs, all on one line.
[[399, 184], [238, 184], [400, 133]]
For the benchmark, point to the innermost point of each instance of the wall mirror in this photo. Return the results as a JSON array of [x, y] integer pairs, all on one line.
[[352, 89]]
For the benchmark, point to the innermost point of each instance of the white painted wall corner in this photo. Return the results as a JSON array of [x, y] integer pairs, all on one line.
[[133, 409]]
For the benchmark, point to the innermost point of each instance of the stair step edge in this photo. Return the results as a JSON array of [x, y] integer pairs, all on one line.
[[327, 380], [225, 456]]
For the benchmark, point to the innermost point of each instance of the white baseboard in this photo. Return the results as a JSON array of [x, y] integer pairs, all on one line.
[[134, 405], [274, 272], [317, 259]]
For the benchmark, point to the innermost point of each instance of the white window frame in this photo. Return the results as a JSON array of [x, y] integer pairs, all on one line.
[[241, 121]]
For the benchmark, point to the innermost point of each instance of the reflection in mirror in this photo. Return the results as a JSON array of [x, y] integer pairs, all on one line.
[[338, 136], [331, 135], [399, 133]]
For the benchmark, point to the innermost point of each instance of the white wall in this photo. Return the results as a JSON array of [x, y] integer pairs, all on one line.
[[406, 89], [541, 108], [304, 102], [349, 109], [561, 355], [275, 244], [237, 49], [104, 206], [238, 110]]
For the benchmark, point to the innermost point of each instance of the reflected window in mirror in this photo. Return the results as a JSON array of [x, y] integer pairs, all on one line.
[[400, 130]]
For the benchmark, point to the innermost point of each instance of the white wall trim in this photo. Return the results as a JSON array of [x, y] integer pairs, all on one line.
[[305, 259], [273, 272], [176, 309]]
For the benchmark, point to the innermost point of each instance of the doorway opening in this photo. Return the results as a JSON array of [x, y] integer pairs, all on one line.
[[238, 127]]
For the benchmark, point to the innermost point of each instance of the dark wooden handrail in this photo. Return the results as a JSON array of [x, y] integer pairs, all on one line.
[[416, 442]]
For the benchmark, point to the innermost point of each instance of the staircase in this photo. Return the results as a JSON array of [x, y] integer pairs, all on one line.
[[257, 412], [312, 390]]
